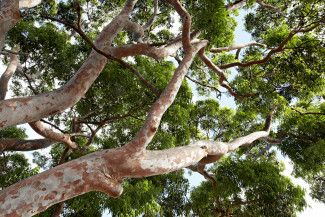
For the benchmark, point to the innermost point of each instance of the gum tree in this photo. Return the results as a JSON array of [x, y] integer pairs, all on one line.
[[108, 86]]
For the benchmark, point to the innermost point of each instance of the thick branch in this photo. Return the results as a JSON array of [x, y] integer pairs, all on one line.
[[104, 171], [39, 128], [30, 109], [234, 144], [61, 183], [267, 6], [5, 77], [157, 53], [148, 130], [24, 145], [9, 16], [186, 20]]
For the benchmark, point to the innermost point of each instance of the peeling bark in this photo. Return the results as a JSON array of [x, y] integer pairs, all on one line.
[[60, 183]]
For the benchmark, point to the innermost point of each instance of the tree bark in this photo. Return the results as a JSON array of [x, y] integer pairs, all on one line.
[[104, 171], [9, 144], [5, 77], [31, 109], [9, 16], [39, 128], [28, 3]]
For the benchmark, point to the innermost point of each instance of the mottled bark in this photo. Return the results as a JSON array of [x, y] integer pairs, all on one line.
[[8, 144], [29, 109], [9, 16], [104, 171], [149, 128], [5, 77], [39, 128]]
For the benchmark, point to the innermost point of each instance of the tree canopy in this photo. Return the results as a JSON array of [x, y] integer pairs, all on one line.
[[111, 88]]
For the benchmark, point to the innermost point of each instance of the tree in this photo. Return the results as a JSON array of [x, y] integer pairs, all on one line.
[[96, 80]]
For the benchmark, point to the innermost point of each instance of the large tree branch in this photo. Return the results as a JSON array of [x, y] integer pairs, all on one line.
[[104, 171], [149, 128], [30, 109], [186, 21], [5, 77], [9, 16], [268, 6], [168, 49], [124, 64], [8, 144]]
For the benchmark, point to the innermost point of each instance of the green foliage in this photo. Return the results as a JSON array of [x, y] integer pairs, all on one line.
[[49, 47], [211, 18], [13, 132], [304, 141], [247, 188], [13, 168]]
